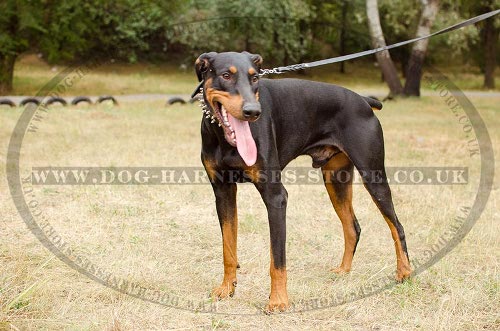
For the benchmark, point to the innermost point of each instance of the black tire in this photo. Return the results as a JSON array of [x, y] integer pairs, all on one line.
[[30, 100], [103, 98], [7, 102], [173, 100], [56, 100], [77, 100]]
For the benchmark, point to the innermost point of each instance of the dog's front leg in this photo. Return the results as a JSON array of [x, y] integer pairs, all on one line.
[[275, 197], [225, 199]]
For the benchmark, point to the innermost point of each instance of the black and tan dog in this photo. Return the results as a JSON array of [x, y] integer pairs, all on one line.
[[261, 125]]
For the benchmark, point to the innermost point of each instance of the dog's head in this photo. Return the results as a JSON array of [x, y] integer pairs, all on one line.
[[231, 92]]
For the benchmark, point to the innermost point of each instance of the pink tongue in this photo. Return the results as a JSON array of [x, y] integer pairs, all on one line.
[[244, 140]]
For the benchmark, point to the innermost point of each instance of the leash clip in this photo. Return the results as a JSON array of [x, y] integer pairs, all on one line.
[[264, 72]]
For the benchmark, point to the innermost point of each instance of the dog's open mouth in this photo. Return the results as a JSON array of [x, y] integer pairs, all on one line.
[[237, 134]]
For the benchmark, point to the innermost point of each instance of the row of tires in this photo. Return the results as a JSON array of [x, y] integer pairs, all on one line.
[[181, 101], [55, 100], [78, 100]]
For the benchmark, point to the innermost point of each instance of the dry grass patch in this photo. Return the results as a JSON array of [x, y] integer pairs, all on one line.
[[168, 237]]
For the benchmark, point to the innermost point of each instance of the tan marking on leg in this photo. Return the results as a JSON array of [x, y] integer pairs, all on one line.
[[278, 300], [233, 69], [403, 265], [252, 173], [229, 248], [346, 215], [210, 168], [344, 211]]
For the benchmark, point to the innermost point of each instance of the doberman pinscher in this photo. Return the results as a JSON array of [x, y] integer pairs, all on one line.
[[260, 125]]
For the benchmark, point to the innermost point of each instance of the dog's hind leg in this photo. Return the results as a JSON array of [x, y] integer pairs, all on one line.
[[366, 151], [338, 176], [381, 195]]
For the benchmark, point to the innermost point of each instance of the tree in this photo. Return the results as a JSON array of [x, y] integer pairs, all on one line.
[[343, 33], [122, 29], [486, 54], [489, 41], [274, 29], [414, 70], [76, 29], [20, 22], [383, 58], [398, 23]]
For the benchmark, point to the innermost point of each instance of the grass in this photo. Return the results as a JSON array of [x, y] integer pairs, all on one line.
[[117, 79], [168, 236]]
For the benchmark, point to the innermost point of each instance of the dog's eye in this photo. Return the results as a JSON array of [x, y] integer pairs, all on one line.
[[255, 79], [226, 76]]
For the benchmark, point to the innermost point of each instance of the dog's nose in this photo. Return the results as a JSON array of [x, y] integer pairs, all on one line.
[[251, 110]]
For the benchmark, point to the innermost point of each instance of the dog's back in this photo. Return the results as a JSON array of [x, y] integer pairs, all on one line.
[[321, 112]]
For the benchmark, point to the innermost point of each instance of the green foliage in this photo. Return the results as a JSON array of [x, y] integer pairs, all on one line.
[[68, 26], [327, 22], [456, 43], [20, 23], [124, 29], [64, 30], [473, 41], [283, 32], [131, 28], [270, 28], [399, 19]]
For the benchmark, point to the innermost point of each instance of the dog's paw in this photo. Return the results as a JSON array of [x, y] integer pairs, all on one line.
[[277, 303], [224, 291], [403, 274]]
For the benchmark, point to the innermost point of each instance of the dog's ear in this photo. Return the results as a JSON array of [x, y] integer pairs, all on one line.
[[202, 64], [255, 58]]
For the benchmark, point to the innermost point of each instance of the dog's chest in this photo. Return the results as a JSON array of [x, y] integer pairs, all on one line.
[[231, 159]]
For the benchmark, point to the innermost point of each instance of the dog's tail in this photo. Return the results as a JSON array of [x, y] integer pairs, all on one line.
[[373, 102]]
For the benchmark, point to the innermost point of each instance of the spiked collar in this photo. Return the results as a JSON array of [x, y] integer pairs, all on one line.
[[204, 108]]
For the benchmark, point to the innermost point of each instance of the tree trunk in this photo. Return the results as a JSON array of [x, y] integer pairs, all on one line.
[[343, 34], [414, 71], [489, 40], [303, 32], [10, 36], [6, 73], [383, 58]]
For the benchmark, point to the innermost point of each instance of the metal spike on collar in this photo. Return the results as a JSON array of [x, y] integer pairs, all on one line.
[[204, 108]]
